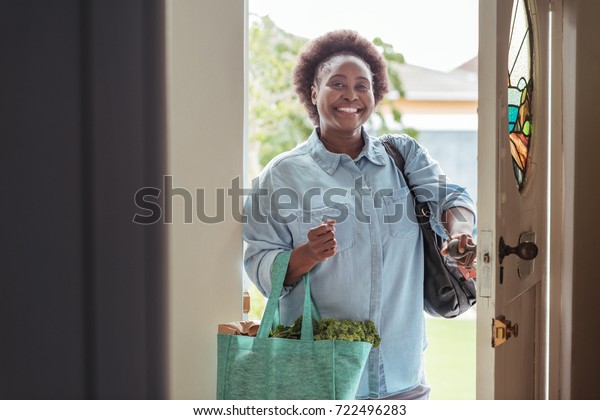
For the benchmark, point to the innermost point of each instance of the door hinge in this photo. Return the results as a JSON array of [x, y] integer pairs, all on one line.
[[502, 330]]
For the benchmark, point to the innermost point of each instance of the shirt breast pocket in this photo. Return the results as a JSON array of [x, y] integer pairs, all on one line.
[[344, 229], [399, 214]]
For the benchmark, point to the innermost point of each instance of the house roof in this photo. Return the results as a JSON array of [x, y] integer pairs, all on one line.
[[421, 83], [472, 65]]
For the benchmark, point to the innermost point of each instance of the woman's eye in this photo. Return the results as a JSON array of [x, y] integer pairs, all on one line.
[[363, 87], [337, 84]]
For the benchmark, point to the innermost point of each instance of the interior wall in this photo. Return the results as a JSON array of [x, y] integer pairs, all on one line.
[[585, 284], [205, 80]]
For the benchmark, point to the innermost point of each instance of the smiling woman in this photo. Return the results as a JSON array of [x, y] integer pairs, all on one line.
[[369, 264]]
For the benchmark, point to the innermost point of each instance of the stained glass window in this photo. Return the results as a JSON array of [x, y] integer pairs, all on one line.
[[520, 86]]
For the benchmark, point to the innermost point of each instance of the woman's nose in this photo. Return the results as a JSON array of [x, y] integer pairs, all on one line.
[[350, 94]]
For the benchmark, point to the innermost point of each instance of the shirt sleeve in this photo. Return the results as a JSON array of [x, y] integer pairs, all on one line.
[[265, 237], [430, 184]]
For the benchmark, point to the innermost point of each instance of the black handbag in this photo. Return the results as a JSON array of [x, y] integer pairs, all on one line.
[[447, 293]]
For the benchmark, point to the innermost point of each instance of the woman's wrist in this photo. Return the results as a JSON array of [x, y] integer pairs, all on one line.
[[301, 262], [458, 221]]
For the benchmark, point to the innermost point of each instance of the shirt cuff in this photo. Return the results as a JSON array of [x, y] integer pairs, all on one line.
[[436, 216], [264, 273]]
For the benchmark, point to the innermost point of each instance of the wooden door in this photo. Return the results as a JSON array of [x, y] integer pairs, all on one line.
[[513, 144]]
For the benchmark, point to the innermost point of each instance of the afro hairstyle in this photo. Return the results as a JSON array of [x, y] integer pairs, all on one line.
[[322, 49]]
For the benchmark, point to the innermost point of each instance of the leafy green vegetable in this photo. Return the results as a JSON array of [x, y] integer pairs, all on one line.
[[332, 329]]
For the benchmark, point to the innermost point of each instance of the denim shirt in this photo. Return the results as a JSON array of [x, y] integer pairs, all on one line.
[[377, 272]]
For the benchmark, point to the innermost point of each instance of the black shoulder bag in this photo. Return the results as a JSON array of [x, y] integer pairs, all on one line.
[[446, 291]]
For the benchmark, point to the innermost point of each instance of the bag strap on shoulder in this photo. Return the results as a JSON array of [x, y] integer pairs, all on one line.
[[398, 159], [421, 208], [393, 152]]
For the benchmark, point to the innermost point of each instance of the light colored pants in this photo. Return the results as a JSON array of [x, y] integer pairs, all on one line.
[[420, 392]]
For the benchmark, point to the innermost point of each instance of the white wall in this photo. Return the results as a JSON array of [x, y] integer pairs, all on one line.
[[205, 96]]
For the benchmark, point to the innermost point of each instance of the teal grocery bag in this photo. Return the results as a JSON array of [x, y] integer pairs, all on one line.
[[263, 368]]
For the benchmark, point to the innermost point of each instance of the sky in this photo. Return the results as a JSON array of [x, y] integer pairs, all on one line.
[[438, 34]]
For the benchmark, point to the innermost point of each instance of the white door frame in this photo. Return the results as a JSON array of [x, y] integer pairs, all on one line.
[[488, 108], [206, 114], [556, 206]]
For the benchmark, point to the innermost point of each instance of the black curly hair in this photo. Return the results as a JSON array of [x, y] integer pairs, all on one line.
[[318, 52]]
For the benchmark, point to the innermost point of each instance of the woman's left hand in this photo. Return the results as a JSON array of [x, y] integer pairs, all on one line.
[[458, 222], [464, 240]]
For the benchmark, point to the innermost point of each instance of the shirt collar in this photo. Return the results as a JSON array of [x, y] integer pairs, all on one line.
[[329, 161]]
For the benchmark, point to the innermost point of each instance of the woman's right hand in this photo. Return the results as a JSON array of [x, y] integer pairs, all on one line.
[[321, 241], [321, 245]]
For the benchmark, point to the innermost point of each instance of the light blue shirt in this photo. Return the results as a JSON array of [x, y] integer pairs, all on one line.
[[377, 272]]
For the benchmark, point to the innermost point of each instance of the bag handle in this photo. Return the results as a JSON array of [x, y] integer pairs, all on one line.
[[397, 157], [278, 272], [422, 209], [393, 152]]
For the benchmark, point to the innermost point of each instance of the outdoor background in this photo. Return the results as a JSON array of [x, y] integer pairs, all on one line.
[[433, 98]]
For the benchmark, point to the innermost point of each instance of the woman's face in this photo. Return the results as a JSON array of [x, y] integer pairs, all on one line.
[[344, 95]]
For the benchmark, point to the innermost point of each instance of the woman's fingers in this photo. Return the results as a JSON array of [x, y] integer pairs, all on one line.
[[465, 240], [325, 231], [467, 261], [461, 244], [321, 240], [323, 228]]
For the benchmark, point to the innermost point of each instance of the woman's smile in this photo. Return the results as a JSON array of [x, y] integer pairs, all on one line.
[[348, 110]]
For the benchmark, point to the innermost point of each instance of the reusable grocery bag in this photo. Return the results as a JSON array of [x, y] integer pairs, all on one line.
[[263, 368]]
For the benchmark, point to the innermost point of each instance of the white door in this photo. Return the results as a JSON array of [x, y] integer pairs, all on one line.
[[513, 143]]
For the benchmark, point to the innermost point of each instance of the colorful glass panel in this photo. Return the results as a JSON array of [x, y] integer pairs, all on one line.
[[520, 87]]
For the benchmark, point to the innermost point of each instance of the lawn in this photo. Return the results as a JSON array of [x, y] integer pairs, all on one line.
[[450, 358]]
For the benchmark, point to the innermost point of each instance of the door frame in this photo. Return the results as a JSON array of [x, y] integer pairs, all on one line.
[[206, 119], [486, 192]]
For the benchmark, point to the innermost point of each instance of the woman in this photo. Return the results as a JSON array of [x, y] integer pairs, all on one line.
[[342, 208]]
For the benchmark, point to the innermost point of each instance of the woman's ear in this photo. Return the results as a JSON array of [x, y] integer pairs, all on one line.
[[313, 94]]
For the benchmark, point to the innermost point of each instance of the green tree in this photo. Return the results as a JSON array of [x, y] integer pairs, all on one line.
[[277, 120], [380, 120]]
